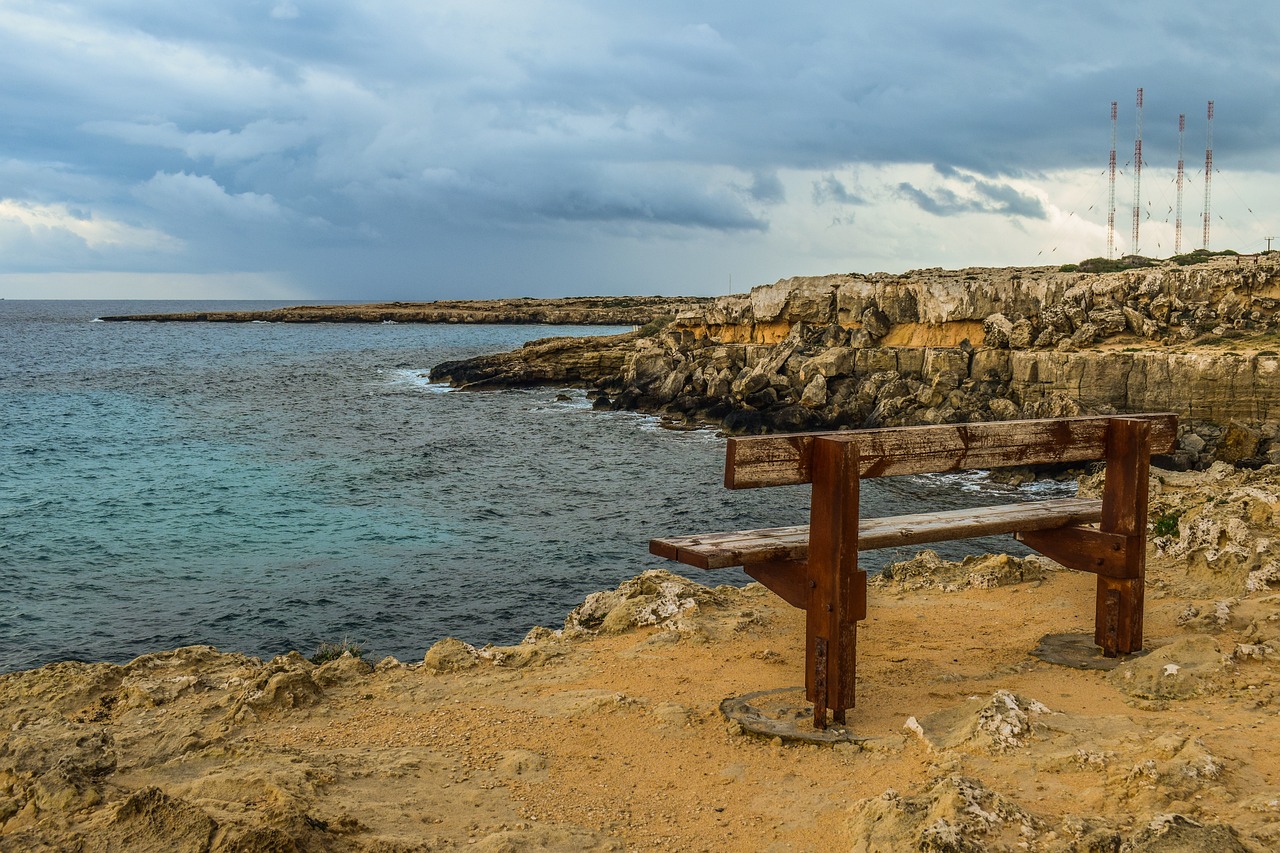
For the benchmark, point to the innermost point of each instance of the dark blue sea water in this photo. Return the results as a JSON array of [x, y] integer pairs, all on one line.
[[267, 487]]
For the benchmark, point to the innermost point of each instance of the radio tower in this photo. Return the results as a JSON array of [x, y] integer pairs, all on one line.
[[1208, 171], [1111, 190], [1177, 230], [1137, 178]]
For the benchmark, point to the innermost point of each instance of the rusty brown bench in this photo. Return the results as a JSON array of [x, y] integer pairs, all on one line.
[[815, 566]]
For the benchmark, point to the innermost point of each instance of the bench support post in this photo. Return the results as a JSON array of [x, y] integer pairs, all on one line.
[[1119, 603], [837, 589]]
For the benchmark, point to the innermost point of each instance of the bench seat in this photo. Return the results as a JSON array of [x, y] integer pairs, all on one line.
[[773, 544]]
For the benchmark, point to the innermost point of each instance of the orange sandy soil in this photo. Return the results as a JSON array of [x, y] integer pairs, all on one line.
[[614, 742]]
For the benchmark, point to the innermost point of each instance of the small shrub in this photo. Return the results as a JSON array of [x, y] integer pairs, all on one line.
[[1166, 524], [657, 324], [332, 651], [1128, 262]]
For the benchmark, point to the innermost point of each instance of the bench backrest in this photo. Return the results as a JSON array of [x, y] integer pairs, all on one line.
[[784, 460]]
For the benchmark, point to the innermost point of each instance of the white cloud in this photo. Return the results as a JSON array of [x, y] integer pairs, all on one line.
[[221, 146], [97, 232], [202, 195]]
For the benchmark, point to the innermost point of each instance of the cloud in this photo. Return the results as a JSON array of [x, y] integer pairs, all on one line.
[[336, 138], [765, 187], [254, 140], [201, 195], [42, 221], [829, 188], [970, 193]]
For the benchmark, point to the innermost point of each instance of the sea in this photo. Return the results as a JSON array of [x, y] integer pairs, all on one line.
[[266, 487]]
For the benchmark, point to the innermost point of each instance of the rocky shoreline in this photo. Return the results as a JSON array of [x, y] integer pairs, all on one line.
[[939, 346], [606, 733], [571, 311]]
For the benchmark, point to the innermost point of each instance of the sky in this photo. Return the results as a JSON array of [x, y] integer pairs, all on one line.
[[433, 149]]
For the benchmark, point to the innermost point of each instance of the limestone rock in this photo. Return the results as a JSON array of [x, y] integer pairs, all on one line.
[[815, 393], [1228, 542], [451, 655], [1021, 334], [875, 322], [1175, 833], [1185, 667], [150, 820], [656, 597], [929, 571], [1239, 442], [956, 813], [343, 669], [837, 361], [997, 330], [1017, 340], [998, 723]]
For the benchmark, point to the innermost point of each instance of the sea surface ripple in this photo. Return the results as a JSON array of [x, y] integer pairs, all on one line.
[[266, 487]]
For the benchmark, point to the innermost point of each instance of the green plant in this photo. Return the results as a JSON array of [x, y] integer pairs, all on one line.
[[332, 651], [1166, 524], [657, 324], [1128, 262], [1199, 256]]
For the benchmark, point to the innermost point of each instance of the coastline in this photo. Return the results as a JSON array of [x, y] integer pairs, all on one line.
[[607, 735], [935, 346], [568, 311]]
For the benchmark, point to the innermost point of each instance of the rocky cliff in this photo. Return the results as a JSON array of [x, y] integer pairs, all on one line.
[[939, 346]]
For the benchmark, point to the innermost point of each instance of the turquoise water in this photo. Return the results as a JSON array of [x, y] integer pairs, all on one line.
[[266, 487]]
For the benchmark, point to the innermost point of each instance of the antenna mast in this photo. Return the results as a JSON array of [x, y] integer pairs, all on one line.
[[1208, 171], [1177, 231], [1137, 178], [1111, 190]]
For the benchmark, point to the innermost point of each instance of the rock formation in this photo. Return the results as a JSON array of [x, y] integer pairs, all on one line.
[[936, 346], [571, 311]]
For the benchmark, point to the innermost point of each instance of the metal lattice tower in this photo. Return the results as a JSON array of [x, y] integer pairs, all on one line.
[[1111, 190], [1208, 171], [1177, 230], [1137, 179]]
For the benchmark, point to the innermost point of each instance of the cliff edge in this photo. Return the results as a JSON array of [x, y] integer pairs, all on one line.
[[946, 346]]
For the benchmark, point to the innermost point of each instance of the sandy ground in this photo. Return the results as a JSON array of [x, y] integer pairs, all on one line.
[[612, 741]]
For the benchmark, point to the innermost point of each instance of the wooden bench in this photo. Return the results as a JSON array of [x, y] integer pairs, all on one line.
[[815, 566]]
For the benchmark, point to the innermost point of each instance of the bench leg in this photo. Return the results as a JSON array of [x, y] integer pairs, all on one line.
[[1120, 601], [837, 589]]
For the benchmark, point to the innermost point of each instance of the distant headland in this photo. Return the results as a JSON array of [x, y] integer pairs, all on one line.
[[572, 311]]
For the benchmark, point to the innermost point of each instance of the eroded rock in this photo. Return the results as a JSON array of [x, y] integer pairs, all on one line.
[[656, 597], [1186, 667], [956, 813], [929, 571]]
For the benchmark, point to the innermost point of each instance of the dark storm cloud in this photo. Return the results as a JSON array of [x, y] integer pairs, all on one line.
[[252, 132]]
